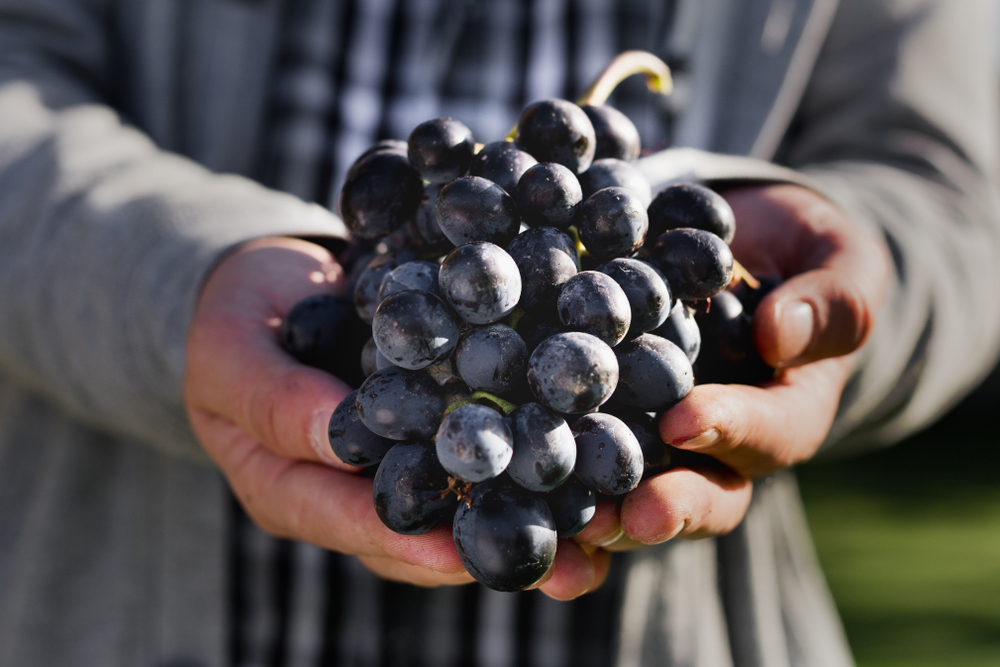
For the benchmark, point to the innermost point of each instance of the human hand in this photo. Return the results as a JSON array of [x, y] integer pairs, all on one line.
[[263, 417], [835, 273]]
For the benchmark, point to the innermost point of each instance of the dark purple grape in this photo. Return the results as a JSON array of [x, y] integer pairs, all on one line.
[[557, 131], [694, 206], [351, 440], [366, 289], [572, 372], [655, 453], [471, 209], [382, 191], [573, 505], [646, 289], [441, 149], [328, 334], [369, 363], [411, 490], [616, 135], [414, 329], [612, 173], [412, 275], [492, 358], [682, 330], [729, 356], [697, 264], [435, 241], [473, 443], [401, 404], [503, 163], [544, 449], [608, 455], [481, 282], [382, 361], [592, 302], [384, 146], [548, 195], [653, 374], [505, 536], [750, 297], [535, 332], [546, 259], [612, 223]]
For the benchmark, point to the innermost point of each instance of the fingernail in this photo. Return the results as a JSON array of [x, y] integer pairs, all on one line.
[[795, 334], [319, 437], [614, 537], [706, 439]]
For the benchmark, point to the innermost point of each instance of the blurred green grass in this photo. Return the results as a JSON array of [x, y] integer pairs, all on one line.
[[909, 538]]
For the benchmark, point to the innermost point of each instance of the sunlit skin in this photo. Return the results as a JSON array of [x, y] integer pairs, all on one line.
[[262, 417]]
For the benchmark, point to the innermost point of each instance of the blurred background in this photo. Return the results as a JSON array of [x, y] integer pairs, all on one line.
[[909, 537]]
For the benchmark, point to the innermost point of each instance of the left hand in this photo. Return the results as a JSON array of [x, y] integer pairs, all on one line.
[[835, 272]]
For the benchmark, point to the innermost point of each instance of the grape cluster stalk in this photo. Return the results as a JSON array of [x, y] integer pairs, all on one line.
[[522, 313]]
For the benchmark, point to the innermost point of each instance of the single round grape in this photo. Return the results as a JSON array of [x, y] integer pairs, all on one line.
[[694, 206], [544, 449], [473, 443], [546, 258], [653, 373], [616, 135], [401, 404], [656, 454], [697, 264], [730, 356], [612, 173], [441, 149], [572, 372], [592, 302], [612, 223], [492, 358], [557, 131], [414, 329], [471, 209], [646, 289], [351, 440], [411, 490], [505, 536], [369, 283], [411, 275], [481, 282], [548, 195], [750, 297], [369, 363], [315, 330], [573, 504], [397, 146], [608, 455], [382, 191], [682, 330], [503, 163]]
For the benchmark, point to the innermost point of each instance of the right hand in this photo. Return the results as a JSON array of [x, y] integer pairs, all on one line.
[[262, 417]]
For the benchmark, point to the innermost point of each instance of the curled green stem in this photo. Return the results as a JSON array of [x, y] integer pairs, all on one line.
[[505, 406]]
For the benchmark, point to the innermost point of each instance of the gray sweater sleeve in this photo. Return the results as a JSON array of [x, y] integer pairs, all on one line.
[[899, 127], [104, 239]]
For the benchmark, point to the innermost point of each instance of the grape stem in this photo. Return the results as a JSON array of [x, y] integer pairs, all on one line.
[[625, 64], [505, 406], [740, 273]]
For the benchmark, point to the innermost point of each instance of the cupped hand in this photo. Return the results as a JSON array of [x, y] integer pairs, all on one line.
[[835, 273], [262, 417]]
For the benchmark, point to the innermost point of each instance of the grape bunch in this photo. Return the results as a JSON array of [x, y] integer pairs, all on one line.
[[532, 308]]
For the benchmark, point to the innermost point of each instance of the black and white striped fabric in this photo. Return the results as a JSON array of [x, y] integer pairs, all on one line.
[[352, 72]]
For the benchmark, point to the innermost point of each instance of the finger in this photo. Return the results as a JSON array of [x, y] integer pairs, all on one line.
[[572, 573], [835, 269], [687, 504], [314, 503], [604, 528], [236, 367], [602, 566], [757, 430], [395, 570]]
